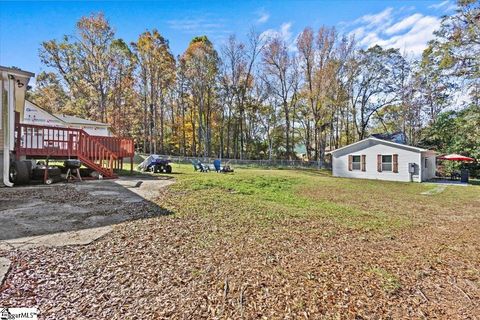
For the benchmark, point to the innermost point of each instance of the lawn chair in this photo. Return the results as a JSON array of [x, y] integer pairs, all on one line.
[[195, 164], [198, 166], [217, 165], [203, 167]]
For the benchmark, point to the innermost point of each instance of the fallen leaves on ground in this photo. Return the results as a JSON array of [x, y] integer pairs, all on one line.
[[209, 261]]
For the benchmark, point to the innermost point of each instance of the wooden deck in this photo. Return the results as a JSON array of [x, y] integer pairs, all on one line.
[[102, 154]]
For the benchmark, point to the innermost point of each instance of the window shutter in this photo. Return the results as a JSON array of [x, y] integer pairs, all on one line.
[[379, 162], [364, 162], [395, 163], [350, 160]]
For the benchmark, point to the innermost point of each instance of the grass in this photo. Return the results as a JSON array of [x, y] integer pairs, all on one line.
[[280, 194], [390, 282]]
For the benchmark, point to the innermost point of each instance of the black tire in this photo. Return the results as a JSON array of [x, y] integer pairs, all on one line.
[[19, 173], [168, 168]]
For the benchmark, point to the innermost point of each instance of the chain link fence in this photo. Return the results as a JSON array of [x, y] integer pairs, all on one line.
[[276, 163]]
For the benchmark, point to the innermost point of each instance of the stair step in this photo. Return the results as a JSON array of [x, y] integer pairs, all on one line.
[[92, 165]]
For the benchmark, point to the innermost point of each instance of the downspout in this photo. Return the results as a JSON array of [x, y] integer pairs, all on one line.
[[7, 128], [420, 170]]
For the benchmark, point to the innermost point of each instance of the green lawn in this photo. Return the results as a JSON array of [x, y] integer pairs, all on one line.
[[269, 195]]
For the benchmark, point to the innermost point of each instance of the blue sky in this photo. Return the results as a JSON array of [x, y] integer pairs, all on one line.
[[404, 24]]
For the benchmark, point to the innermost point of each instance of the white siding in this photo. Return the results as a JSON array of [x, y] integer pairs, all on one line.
[[38, 116], [371, 149]]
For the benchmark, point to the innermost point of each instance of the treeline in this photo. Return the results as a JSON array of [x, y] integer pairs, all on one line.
[[261, 98]]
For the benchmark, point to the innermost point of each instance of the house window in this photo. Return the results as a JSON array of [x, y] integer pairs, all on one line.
[[386, 162], [356, 162]]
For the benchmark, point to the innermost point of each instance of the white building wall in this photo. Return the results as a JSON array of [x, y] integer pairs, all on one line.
[[371, 149], [38, 116]]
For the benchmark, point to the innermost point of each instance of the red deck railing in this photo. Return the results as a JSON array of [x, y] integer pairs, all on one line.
[[122, 147], [100, 153]]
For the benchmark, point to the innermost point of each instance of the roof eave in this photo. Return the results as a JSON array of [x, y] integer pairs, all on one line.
[[381, 141], [17, 72], [90, 124]]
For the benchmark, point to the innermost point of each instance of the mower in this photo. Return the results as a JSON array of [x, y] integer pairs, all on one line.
[[160, 166], [154, 163]]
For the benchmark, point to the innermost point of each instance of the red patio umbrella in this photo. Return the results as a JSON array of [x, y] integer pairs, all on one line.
[[455, 157]]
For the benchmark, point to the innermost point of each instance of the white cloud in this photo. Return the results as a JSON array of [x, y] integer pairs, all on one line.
[[359, 32], [439, 5], [216, 29], [391, 29], [370, 39], [197, 25], [406, 23], [446, 6], [375, 20], [283, 32], [415, 40], [263, 17]]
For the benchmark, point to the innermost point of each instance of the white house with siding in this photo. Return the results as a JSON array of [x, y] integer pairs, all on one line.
[[13, 85], [35, 115], [374, 158]]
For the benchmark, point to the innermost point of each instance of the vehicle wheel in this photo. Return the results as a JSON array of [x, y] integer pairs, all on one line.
[[168, 168], [19, 173], [48, 181]]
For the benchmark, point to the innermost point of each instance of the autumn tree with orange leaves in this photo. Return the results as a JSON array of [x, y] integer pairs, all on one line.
[[261, 97]]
